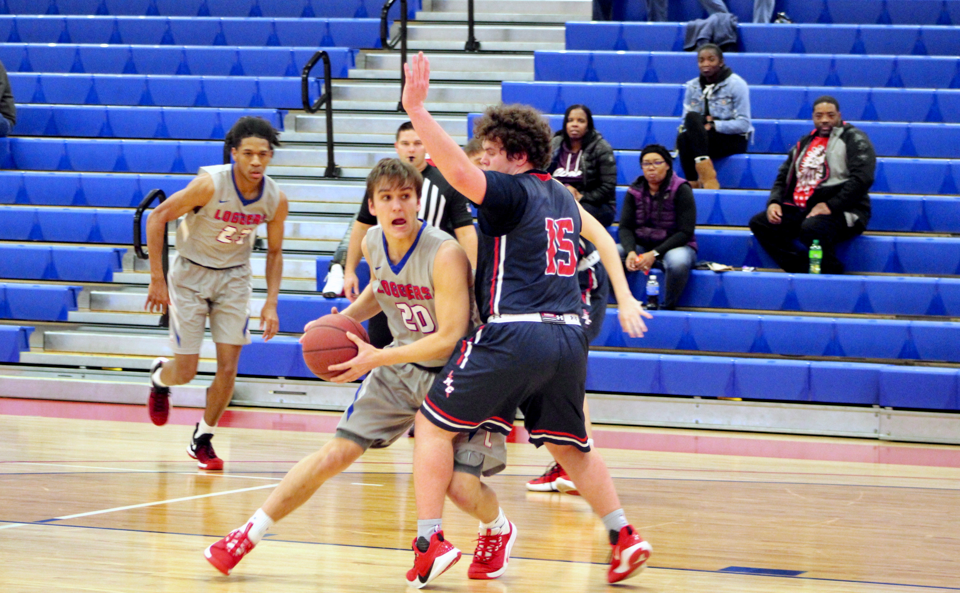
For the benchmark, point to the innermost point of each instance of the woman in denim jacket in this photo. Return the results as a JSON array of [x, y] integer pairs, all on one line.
[[716, 118]]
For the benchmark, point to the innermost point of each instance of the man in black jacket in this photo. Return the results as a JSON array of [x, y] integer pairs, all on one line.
[[820, 193], [7, 107]]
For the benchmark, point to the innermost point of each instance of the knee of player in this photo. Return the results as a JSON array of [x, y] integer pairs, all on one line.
[[463, 489]]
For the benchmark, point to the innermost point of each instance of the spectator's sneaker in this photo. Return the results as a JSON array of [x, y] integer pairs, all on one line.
[[629, 557], [493, 553], [428, 565], [201, 449], [226, 553], [159, 403], [334, 285], [548, 481]]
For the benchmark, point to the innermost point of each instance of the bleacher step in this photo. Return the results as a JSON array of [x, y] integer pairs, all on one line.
[[462, 63], [348, 124], [498, 17], [446, 75], [568, 8]]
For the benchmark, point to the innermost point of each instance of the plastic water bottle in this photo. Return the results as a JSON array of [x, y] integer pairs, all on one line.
[[816, 256], [653, 293]]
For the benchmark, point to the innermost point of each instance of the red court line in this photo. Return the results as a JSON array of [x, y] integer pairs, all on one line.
[[707, 444]]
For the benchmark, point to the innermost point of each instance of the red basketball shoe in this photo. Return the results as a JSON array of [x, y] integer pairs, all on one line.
[[201, 449], [629, 557], [555, 479], [159, 403], [226, 553], [428, 565], [492, 555]]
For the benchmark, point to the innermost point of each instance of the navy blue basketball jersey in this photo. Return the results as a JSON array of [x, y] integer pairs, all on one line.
[[529, 239]]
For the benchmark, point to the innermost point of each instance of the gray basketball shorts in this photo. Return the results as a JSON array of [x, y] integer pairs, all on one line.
[[385, 406], [196, 293]]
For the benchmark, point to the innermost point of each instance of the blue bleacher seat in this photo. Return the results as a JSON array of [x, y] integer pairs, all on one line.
[[280, 357], [231, 31], [791, 336], [13, 340], [121, 156], [205, 8], [169, 60], [807, 38], [295, 310], [766, 102], [779, 69], [764, 379], [323, 265], [154, 90], [777, 136], [134, 122], [83, 189], [74, 263], [37, 302]]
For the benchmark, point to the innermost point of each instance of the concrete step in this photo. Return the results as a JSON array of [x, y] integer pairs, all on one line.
[[460, 76], [420, 32], [482, 8], [486, 46], [349, 124], [461, 63], [96, 384], [291, 156], [500, 17], [372, 96], [312, 173]]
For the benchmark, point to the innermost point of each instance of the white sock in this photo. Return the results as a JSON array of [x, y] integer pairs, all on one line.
[[496, 526], [260, 523], [202, 428], [155, 377], [700, 159]]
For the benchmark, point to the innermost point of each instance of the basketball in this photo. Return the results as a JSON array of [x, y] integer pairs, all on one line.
[[327, 343]]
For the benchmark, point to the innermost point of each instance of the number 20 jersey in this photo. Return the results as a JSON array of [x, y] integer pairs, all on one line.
[[405, 289], [221, 234]]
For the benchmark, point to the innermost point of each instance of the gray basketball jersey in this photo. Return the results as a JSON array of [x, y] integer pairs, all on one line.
[[405, 290], [222, 233]]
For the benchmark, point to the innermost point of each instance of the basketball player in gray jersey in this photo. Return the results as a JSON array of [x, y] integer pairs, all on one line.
[[210, 277], [421, 278]]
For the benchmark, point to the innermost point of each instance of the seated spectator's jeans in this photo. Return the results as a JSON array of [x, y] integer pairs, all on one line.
[[676, 265], [5, 127], [780, 241]]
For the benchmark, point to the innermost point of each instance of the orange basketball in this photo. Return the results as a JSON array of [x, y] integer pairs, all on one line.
[[327, 343]]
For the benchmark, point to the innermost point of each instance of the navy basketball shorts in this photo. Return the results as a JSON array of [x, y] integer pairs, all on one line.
[[540, 368]]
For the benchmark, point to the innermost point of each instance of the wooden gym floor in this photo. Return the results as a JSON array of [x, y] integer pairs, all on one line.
[[94, 498]]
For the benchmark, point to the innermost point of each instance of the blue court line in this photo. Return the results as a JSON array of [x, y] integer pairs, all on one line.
[[697, 570]]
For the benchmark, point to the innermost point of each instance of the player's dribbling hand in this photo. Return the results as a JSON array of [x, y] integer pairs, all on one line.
[[417, 83], [157, 297], [269, 322], [358, 366], [631, 315]]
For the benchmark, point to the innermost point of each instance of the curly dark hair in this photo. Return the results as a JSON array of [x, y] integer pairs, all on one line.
[[250, 126], [521, 129]]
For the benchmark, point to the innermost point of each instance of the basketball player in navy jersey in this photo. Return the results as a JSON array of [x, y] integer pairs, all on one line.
[[531, 352]]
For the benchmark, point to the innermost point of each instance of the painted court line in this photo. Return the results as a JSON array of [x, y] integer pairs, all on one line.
[[159, 502], [121, 470]]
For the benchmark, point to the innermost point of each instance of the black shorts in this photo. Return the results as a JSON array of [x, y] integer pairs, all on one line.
[[596, 310], [540, 368]]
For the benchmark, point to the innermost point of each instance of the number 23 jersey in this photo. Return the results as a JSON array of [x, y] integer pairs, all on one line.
[[221, 234]]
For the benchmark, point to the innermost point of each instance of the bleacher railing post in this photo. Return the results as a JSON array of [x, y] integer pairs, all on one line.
[[325, 100], [472, 43], [156, 194], [392, 43]]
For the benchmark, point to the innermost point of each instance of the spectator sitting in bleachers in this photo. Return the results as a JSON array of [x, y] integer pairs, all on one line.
[[762, 9], [716, 118], [820, 193], [8, 108], [584, 162], [658, 220]]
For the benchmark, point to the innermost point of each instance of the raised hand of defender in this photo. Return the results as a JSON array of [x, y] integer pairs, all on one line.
[[417, 82], [269, 321], [631, 315], [358, 366]]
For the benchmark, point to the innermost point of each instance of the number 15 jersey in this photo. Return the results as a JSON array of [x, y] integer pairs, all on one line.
[[221, 234]]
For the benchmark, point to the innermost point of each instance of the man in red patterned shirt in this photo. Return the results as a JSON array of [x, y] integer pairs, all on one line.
[[820, 193]]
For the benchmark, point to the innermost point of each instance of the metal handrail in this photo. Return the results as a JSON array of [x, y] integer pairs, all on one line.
[[472, 43], [325, 100], [156, 194], [401, 38]]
